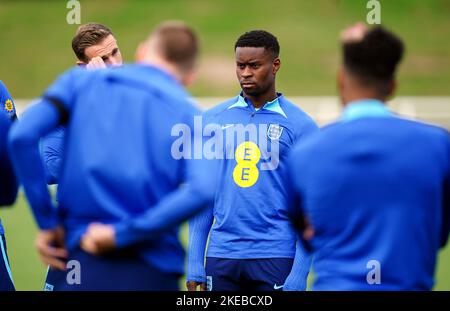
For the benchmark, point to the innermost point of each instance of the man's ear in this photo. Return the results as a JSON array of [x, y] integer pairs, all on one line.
[[276, 65], [341, 78], [391, 88], [141, 51], [189, 78]]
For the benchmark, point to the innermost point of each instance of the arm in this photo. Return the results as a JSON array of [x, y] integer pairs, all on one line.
[[39, 120], [24, 146], [176, 207], [307, 128], [199, 227], [294, 201], [446, 202], [8, 181], [24, 138], [297, 279], [52, 149], [195, 193], [446, 214]]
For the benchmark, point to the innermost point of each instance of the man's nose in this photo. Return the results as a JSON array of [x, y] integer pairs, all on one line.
[[247, 72], [112, 61]]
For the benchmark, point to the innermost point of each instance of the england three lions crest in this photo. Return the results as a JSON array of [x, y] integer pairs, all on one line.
[[274, 131]]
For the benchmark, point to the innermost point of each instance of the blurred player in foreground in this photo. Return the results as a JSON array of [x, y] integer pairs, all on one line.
[[7, 103], [374, 186], [8, 193], [252, 243], [120, 200], [8, 183]]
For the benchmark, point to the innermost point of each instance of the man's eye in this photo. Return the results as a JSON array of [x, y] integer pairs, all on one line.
[[241, 66], [255, 66], [114, 52]]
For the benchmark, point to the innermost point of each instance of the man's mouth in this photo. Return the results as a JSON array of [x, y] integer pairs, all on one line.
[[247, 84]]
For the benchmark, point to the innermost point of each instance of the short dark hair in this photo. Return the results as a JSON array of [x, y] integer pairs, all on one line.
[[259, 39], [374, 59], [178, 44], [88, 35]]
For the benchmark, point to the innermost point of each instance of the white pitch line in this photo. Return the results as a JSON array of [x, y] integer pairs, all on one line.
[[325, 109]]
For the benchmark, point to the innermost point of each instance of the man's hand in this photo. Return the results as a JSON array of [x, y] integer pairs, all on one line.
[[354, 33], [99, 239], [96, 63], [50, 246], [303, 225], [308, 230], [192, 286]]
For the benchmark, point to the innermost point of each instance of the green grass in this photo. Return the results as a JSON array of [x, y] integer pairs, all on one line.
[[29, 272], [36, 39]]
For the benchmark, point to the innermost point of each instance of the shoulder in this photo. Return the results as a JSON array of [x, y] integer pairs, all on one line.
[[301, 121], [78, 72], [67, 86], [293, 111], [432, 129], [313, 144], [220, 108], [432, 132], [73, 77], [420, 131], [7, 102]]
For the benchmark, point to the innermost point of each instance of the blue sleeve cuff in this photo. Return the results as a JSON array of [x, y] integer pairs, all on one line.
[[48, 223], [124, 236], [199, 228], [297, 278], [196, 278]]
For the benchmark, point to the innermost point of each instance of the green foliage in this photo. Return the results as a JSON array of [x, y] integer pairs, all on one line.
[[36, 39]]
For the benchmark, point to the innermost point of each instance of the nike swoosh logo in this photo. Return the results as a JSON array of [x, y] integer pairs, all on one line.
[[277, 287], [227, 126]]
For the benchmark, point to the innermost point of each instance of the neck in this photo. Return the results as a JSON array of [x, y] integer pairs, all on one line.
[[360, 94], [156, 61], [259, 100], [352, 90]]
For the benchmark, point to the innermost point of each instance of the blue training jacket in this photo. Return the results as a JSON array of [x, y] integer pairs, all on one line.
[[250, 208], [119, 167], [8, 182], [376, 189]]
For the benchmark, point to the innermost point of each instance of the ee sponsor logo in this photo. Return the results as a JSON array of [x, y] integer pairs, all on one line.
[[247, 156]]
